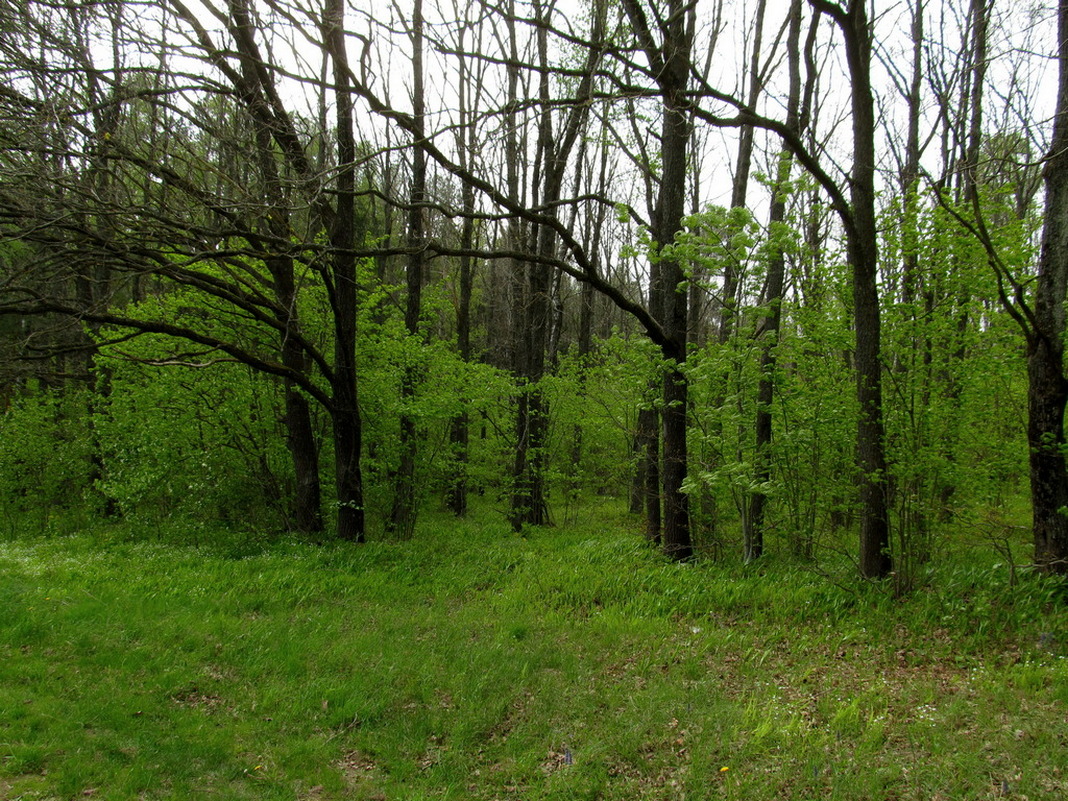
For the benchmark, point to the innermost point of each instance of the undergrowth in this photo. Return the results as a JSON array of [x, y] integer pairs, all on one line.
[[470, 663]]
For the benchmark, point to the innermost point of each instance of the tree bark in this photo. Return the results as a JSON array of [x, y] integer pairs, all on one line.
[[348, 425], [300, 435], [768, 331], [1047, 387], [401, 522], [862, 247], [740, 184], [671, 63]]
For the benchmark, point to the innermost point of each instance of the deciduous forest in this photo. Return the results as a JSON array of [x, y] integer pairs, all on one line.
[[775, 273], [748, 287]]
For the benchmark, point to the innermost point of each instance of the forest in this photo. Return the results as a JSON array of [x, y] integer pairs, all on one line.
[[780, 276], [622, 400]]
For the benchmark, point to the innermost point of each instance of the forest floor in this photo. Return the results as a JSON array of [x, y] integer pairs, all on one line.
[[470, 663]]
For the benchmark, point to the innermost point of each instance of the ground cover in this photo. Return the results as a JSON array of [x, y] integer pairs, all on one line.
[[472, 664]]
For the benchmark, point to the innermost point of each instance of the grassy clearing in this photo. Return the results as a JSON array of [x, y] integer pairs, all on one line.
[[470, 664]]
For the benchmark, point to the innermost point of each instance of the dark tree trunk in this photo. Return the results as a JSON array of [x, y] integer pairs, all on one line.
[[554, 148], [768, 332], [675, 139], [306, 513], [348, 426], [1047, 394], [304, 452], [300, 435], [863, 250], [1047, 387], [647, 479], [862, 247], [528, 494], [740, 184], [648, 435], [401, 522], [459, 429], [671, 62]]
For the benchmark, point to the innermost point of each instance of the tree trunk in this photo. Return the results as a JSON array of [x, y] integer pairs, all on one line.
[[459, 428], [671, 61], [554, 148], [675, 139], [647, 479], [300, 435], [348, 426], [401, 523], [862, 247], [1047, 387], [1047, 394], [768, 332], [740, 184]]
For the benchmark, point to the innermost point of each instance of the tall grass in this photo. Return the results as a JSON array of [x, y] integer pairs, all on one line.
[[472, 664]]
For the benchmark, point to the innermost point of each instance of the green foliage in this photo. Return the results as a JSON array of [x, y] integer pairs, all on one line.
[[716, 239], [810, 489], [197, 443], [592, 403], [955, 369], [187, 433], [45, 450]]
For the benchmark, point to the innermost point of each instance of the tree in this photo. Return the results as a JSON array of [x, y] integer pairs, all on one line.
[[670, 63], [1045, 327], [774, 295], [188, 229], [862, 242], [402, 516]]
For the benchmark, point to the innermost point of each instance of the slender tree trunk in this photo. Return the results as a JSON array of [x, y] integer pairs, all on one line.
[[554, 148], [303, 448], [648, 434], [529, 501], [402, 516], [300, 435], [93, 281], [768, 332], [459, 429], [740, 184], [348, 425], [862, 247], [459, 435], [587, 297], [913, 525]]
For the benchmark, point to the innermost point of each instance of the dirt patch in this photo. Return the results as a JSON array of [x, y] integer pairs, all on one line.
[[194, 698], [362, 775]]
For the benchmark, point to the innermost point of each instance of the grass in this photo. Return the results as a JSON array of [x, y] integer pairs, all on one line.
[[471, 664]]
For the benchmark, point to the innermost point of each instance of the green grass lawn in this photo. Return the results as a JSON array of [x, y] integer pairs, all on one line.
[[472, 664]]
